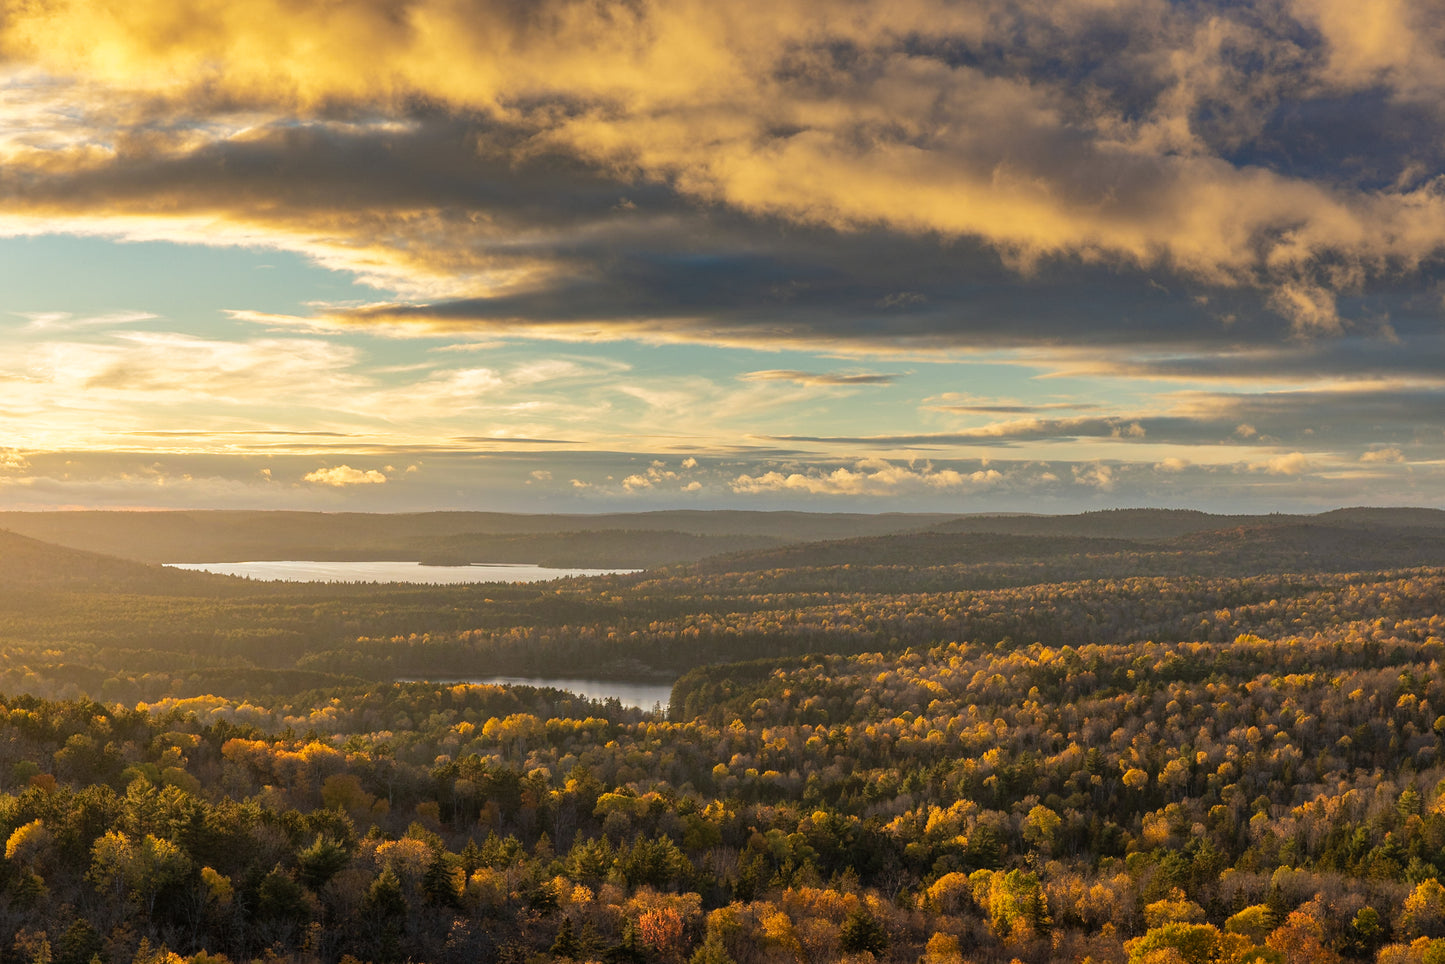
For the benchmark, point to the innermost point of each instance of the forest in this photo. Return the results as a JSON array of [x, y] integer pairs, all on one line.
[[1135, 737]]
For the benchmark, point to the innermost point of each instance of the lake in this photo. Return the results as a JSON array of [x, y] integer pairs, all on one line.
[[641, 695], [304, 571]]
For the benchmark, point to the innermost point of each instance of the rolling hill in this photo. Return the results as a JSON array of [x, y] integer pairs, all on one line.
[[654, 538], [31, 565]]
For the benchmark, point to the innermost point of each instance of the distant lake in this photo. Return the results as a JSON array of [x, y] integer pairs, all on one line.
[[301, 571], [641, 695]]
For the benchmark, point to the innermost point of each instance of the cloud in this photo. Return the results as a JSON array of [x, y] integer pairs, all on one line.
[[676, 171], [167, 368], [1382, 455], [1295, 463], [1210, 195], [1096, 475], [344, 475], [960, 404], [815, 378], [659, 475], [1396, 44], [593, 481], [1310, 307], [114, 387], [1410, 347], [873, 477], [1350, 416], [1118, 428], [509, 440], [57, 321]]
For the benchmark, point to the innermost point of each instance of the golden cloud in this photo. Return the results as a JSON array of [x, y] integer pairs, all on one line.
[[832, 115], [343, 475], [869, 477]]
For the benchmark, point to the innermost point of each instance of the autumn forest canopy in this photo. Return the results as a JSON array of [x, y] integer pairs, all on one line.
[[1128, 736]]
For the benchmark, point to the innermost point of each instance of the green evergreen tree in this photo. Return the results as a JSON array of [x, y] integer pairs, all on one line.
[[862, 932], [80, 942], [471, 857], [712, 951], [441, 882], [321, 861], [566, 944]]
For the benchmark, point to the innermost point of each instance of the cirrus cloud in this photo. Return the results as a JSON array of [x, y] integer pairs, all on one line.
[[829, 379]]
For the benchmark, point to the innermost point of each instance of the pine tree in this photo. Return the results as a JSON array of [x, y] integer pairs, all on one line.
[[440, 883], [566, 943], [862, 932]]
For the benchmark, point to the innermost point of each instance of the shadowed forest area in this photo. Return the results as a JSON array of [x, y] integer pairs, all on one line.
[[1139, 736]]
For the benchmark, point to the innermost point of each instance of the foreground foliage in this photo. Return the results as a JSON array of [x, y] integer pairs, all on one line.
[[1156, 769]]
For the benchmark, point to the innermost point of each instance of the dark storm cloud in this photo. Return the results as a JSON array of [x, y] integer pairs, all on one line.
[[1416, 353], [1171, 178]]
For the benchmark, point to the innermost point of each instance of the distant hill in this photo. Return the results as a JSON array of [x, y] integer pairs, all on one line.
[[937, 559], [918, 549], [1319, 548], [605, 549], [1153, 525], [1137, 524], [1392, 517], [239, 536], [755, 540], [30, 565]]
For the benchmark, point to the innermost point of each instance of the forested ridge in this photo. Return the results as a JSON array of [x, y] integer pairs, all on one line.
[[1137, 757], [621, 540]]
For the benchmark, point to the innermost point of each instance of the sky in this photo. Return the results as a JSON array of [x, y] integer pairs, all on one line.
[[582, 256]]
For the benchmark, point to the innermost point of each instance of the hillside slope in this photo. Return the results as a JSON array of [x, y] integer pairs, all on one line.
[[31, 565]]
